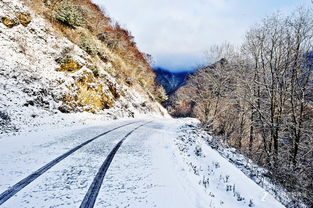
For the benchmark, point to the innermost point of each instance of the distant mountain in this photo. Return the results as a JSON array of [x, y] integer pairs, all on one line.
[[171, 81]]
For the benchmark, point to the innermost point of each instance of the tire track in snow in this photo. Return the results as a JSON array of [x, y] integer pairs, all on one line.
[[6, 195], [93, 191]]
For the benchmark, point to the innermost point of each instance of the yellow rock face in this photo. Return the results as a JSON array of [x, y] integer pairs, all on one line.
[[70, 66], [9, 22], [90, 95], [24, 19]]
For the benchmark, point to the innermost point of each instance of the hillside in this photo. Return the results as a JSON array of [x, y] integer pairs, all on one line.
[[65, 61]]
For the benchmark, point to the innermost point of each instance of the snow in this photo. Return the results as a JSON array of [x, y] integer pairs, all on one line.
[[162, 164]]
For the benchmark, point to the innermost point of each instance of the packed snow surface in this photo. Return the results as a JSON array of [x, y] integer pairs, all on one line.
[[158, 165]]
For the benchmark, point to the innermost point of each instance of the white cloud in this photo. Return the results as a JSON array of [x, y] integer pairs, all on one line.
[[176, 32]]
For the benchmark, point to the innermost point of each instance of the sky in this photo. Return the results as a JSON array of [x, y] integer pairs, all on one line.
[[178, 32]]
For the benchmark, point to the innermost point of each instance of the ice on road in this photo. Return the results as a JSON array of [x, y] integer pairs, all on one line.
[[156, 166]]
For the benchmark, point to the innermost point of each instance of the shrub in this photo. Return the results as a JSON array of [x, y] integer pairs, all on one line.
[[108, 39], [142, 82], [69, 15], [47, 2], [5, 123], [95, 71], [161, 95], [65, 56], [88, 45], [103, 57], [4, 117], [129, 81], [103, 36]]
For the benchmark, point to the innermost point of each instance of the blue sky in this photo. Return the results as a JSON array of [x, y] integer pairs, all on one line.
[[177, 32]]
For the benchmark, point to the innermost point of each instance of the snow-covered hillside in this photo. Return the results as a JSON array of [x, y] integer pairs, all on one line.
[[163, 163], [35, 91], [223, 172]]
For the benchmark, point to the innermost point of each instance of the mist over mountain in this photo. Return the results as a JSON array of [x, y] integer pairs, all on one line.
[[171, 81]]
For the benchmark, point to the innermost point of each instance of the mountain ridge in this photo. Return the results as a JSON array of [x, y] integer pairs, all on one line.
[[171, 81]]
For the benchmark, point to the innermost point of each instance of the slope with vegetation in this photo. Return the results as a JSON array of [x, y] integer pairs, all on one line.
[[259, 99], [67, 56]]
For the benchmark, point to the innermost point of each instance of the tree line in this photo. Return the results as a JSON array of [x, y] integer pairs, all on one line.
[[259, 98]]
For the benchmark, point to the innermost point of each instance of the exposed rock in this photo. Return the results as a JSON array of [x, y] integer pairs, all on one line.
[[103, 58], [88, 93], [70, 66], [10, 23], [65, 108], [24, 18]]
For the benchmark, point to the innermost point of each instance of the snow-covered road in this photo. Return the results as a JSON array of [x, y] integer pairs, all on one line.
[[153, 167]]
